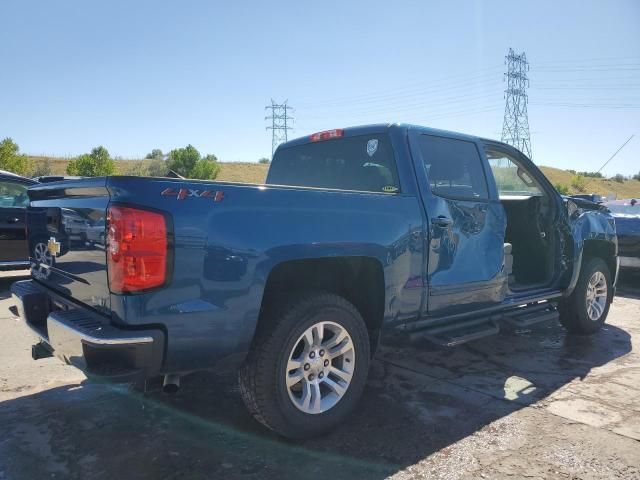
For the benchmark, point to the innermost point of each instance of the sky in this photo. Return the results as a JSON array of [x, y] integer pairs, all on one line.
[[133, 76]]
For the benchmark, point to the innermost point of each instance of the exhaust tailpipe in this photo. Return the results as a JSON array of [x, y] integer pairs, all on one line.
[[171, 383]]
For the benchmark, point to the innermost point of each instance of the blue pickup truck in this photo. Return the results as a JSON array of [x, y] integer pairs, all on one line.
[[359, 237]]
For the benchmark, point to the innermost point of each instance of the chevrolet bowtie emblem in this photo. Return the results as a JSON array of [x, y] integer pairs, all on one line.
[[53, 246]]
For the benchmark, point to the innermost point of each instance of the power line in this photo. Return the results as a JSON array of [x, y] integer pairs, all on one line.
[[417, 117], [441, 103], [611, 158], [443, 83], [279, 123], [515, 127], [407, 97], [587, 105]]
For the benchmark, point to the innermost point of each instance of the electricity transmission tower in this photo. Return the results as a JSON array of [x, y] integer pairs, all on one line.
[[515, 127], [280, 119]]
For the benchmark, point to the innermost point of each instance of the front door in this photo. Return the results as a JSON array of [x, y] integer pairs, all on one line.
[[13, 203], [464, 269]]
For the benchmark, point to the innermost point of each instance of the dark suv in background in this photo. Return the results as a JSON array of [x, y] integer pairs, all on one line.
[[14, 253]]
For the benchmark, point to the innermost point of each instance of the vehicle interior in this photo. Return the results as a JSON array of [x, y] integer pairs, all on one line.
[[529, 238]]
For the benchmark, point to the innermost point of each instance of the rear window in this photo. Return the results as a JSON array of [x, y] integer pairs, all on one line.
[[363, 163]]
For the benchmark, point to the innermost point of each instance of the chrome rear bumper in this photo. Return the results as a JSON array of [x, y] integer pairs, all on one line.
[[87, 340]]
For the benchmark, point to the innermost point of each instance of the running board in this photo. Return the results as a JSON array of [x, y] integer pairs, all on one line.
[[458, 333], [455, 333], [526, 316]]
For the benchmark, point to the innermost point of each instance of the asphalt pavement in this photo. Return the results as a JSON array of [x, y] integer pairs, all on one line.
[[532, 403]]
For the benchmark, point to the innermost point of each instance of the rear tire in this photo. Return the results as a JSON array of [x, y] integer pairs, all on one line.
[[586, 310], [307, 366]]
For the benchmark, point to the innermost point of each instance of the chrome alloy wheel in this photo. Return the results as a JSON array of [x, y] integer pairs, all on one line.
[[42, 254], [596, 296], [320, 367]]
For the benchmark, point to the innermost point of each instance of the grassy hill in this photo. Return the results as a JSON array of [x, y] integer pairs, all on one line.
[[602, 186], [256, 173]]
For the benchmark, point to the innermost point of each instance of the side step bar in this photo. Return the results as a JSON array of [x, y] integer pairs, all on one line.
[[452, 335], [530, 315], [456, 333]]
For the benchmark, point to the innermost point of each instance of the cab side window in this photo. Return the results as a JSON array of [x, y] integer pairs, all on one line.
[[454, 168], [510, 178], [13, 194]]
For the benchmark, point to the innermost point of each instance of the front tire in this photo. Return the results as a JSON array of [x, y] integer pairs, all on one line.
[[586, 310], [308, 365]]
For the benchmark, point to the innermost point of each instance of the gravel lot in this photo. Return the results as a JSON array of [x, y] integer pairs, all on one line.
[[533, 403]]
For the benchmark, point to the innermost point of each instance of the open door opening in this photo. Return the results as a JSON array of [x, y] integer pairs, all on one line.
[[530, 240]]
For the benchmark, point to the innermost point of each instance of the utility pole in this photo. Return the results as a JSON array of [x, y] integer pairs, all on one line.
[[515, 127], [280, 119]]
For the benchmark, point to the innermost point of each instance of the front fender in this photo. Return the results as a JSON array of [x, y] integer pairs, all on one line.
[[594, 234]]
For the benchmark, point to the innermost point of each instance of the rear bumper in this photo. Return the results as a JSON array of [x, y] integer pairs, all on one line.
[[86, 340]]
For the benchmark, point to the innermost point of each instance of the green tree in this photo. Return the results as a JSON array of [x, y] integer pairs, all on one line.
[[205, 169], [264, 160], [11, 159], [562, 188], [182, 160], [637, 176], [98, 163], [188, 163], [155, 153]]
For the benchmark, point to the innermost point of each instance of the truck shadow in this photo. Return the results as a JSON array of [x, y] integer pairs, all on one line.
[[418, 401]]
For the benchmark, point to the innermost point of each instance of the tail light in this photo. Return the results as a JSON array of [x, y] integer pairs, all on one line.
[[136, 249], [327, 135]]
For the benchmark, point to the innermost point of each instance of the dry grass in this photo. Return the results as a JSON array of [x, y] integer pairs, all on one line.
[[602, 186], [243, 172], [257, 172]]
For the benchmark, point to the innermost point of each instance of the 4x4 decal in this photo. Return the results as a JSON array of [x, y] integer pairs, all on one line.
[[182, 193]]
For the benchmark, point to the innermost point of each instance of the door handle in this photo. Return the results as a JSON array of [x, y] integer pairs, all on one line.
[[441, 221], [13, 220]]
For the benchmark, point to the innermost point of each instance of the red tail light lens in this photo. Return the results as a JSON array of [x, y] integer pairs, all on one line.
[[136, 249], [327, 135]]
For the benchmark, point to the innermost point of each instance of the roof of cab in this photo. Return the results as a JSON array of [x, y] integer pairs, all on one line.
[[380, 128]]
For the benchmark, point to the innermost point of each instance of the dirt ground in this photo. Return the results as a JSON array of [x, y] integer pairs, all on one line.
[[532, 403]]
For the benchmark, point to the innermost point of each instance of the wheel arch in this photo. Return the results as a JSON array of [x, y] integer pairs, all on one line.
[[358, 279], [602, 249], [595, 248]]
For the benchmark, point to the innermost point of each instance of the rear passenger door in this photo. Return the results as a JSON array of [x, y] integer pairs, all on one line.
[[466, 224]]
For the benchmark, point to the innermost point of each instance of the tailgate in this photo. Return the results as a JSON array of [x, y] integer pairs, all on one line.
[[66, 232]]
